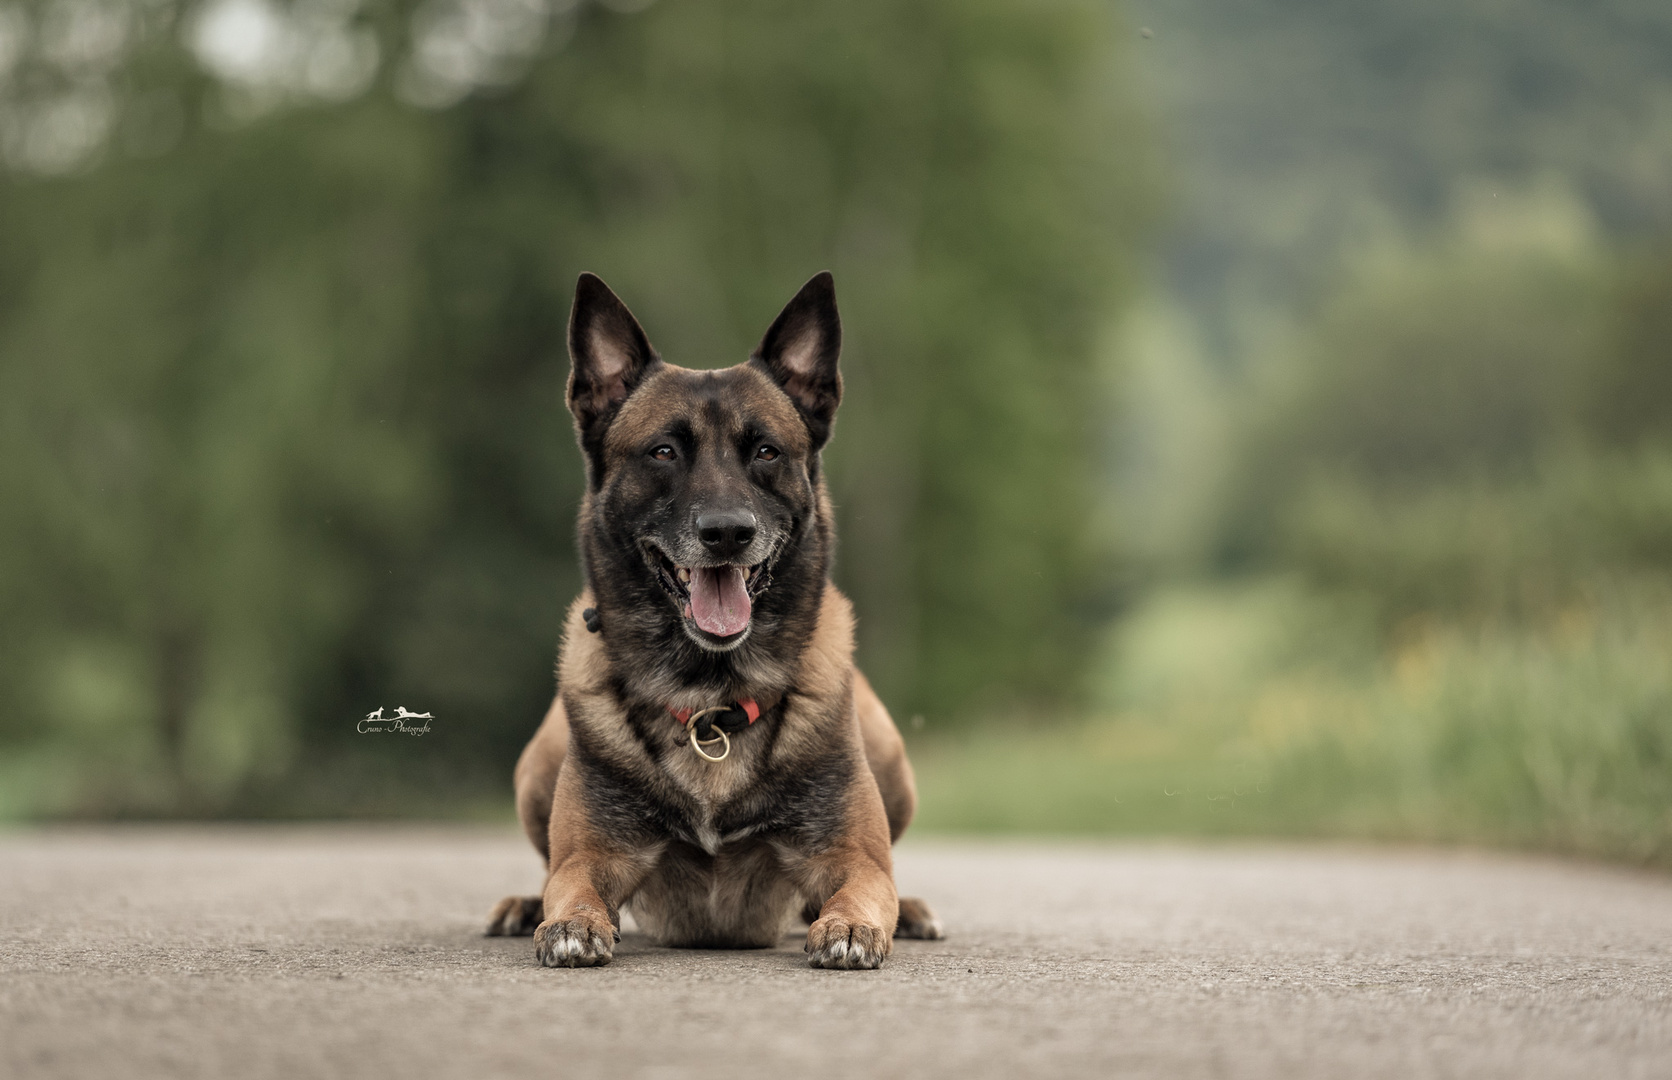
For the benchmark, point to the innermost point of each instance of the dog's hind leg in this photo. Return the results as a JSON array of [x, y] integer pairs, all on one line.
[[918, 920], [516, 916], [885, 752], [535, 777]]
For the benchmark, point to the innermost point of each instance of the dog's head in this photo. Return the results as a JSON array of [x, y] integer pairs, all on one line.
[[703, 483]]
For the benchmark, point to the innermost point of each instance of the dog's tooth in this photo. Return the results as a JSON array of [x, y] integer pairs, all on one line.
[[684, 574]]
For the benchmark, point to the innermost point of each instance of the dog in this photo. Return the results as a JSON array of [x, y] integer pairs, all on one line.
[[713, 761]]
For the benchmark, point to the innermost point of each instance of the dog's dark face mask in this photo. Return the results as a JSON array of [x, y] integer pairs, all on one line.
[[704, 520]]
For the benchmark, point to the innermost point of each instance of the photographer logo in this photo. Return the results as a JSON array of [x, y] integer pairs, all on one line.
[[375, 723]]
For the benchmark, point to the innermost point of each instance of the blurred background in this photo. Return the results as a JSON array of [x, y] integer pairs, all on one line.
[[1259, 415]]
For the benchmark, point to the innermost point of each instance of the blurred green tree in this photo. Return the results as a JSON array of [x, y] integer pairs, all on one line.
[[1470, 429], [282, 291], [1631, 401]]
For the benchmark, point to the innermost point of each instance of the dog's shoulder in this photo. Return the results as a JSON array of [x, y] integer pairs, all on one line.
[[826, 664]]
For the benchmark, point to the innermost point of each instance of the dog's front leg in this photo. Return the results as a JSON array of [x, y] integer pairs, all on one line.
[[590, 876], [855, 927]]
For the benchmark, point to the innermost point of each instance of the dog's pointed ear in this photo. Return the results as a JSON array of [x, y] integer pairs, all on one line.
[[608, 356], [800, 353]]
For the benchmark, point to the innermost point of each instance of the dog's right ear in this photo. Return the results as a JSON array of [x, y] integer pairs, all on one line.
[[608, 356]]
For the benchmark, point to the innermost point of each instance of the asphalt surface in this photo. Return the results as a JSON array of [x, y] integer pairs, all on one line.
[[355, 952]]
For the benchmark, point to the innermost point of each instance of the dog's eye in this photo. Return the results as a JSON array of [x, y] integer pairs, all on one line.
[[767, 453], [664, 453]]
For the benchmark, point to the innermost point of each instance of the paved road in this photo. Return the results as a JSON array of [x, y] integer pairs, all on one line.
[[353, 952]]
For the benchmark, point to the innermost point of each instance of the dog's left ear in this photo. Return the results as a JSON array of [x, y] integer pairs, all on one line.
[[800, 353]]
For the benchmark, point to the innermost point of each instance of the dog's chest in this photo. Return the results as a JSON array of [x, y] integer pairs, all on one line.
[[714, 796], [755, 794], [742, 897]]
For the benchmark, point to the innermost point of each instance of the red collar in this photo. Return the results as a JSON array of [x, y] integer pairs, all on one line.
[[750, 709]]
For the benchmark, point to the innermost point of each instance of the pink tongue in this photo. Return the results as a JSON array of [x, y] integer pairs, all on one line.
[[719, 601]]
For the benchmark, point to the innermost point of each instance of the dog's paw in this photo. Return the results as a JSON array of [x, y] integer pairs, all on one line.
[[833, 942], [515, 916], [918, 920], [578, 941]]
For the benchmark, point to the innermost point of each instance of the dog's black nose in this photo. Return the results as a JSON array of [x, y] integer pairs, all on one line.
[[725, 533]]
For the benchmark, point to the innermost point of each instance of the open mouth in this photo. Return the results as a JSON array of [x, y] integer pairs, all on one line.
[[718, 599]]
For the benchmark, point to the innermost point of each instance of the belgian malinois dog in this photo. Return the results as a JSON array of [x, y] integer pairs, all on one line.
[[713, 761]]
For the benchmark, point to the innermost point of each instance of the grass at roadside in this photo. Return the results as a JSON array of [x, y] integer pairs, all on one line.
[[1267, 710]]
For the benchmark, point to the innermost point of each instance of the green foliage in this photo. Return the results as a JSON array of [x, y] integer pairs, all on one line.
[[1302, 130], [1396, 465], [1631, 402], [1453, 434], [1438, 601], [281, 361], [207, 472], [1271, 708], [1470, 548], [1441, 364]]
